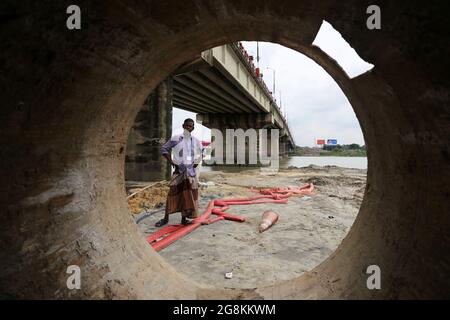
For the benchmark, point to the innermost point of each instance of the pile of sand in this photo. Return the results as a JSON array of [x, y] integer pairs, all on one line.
[[151, 198]]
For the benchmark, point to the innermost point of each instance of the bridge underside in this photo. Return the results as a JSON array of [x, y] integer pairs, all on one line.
[[222, 102], [152, 128], [68, 107], [207, 91]]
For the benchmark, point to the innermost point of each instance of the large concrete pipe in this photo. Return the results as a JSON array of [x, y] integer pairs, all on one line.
[[69, 98]]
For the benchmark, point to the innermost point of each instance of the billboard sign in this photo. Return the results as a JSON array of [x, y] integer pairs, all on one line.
[[320, 142], [332, 142]]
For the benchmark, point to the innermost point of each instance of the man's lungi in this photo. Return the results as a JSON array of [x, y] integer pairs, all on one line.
[[183, 195]]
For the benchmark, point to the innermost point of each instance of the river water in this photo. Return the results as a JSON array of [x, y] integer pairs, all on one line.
[[345, 162]]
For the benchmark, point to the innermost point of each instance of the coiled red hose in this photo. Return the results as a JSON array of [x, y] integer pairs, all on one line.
[[171, 233]]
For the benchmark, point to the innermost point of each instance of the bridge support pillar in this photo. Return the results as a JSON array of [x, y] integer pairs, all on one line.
[[222, 122], [151, 129], [284, 148]]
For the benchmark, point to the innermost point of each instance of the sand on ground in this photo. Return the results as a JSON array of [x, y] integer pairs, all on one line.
[[309, 229]]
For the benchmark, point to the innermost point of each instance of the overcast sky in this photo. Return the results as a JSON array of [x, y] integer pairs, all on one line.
[[316, 106]]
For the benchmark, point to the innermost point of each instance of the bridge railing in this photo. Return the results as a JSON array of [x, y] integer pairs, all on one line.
[[247, 60]]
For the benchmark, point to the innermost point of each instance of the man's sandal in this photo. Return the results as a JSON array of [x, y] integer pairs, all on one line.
[[161, 222], [186, 221]]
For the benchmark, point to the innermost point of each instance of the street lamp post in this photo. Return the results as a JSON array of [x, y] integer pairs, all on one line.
[[273, 80], [281, 104]]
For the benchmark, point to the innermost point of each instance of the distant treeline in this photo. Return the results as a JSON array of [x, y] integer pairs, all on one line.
[[344, 150]]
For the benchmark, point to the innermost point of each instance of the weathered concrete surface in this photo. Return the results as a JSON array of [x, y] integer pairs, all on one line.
[[151, 129], [70, 98]]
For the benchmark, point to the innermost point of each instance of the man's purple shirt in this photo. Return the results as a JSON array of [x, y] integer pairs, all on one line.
[[167, 148]]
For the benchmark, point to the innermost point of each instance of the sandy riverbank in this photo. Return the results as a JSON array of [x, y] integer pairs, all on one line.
[[307, 232]]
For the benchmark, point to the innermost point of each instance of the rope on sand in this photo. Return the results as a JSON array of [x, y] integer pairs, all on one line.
[[143, 189]]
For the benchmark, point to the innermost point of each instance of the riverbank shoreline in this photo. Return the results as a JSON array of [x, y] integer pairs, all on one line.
[[330, 151]]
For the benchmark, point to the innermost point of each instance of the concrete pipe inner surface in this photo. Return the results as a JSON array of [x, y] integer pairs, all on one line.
[[70, 98]]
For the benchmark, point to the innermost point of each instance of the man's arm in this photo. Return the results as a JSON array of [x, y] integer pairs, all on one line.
[[169, 159], [166, 151], [199, 148]]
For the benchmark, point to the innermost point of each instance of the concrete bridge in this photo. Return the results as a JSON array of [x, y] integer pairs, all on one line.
[[70, 96], [223, 87]]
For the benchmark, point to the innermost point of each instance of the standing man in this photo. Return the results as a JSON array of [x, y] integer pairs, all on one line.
[[183, 192]]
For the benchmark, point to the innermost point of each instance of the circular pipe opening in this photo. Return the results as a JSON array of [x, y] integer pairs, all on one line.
[[68, 122], [308, 232]]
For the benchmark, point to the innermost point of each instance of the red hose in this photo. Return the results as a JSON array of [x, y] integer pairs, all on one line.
[[175, 236], [232, 217], [174, 232], [163, 231], [213, 220]]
